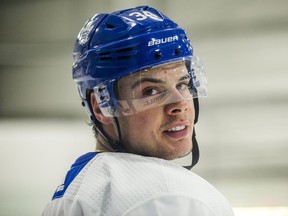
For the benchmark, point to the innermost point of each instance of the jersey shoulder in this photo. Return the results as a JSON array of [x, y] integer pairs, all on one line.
[[127, 184]]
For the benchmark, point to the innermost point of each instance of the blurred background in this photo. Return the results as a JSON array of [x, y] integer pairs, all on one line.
[[242, 128]]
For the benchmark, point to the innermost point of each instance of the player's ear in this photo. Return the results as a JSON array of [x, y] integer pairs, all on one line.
[[97, 112]]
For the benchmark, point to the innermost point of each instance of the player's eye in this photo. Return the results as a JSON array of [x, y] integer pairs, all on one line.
[[150, 91], [183, 85]]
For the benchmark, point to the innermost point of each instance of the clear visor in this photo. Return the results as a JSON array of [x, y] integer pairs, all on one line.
[[153, 87]]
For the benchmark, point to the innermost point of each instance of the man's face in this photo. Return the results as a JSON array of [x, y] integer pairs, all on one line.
[[163, 131]]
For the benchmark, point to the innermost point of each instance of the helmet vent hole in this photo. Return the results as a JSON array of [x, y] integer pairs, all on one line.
[[158, 55], [128, 49], [105, 59], [124, 57], [110, 26], [104, 53]]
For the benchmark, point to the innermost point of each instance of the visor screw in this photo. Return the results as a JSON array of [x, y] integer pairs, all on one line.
[[177, 51], [101, 89], [83, 104], [158, 55]]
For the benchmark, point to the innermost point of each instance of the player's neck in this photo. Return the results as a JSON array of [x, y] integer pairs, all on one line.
[[102, 145]]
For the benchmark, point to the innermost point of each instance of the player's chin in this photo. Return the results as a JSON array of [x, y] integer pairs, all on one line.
[[184, 151], [179, 150]]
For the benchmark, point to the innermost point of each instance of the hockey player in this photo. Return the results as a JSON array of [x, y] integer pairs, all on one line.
[[139, 81]]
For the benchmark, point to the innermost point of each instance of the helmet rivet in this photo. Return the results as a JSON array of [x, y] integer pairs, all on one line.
[[83, 104], [158, 55], [177, 51]]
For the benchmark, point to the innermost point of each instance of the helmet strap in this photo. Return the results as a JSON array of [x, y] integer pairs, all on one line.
[[195, 152], [98, 126], [119, 144]]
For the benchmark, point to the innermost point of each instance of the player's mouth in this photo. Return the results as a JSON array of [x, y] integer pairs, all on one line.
[[178, 131]]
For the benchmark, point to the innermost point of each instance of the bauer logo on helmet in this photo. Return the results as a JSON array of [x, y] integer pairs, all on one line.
[[162, 40]]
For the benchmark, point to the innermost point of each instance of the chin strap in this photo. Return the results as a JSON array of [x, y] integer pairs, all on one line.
[[116, 146], [195, 152], [195, 148], [119, 145]]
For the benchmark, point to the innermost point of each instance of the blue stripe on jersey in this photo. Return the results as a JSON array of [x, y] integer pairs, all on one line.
[[72, 173]]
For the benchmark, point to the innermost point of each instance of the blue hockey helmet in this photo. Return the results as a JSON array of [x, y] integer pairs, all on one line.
[[111, 46]]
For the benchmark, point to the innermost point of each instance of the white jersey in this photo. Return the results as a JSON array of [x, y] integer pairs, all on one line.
[[121, 184]]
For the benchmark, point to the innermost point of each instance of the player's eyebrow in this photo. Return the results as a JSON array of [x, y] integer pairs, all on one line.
[[147, 79], [187, 76], [154, 80]]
